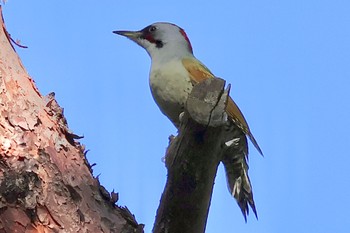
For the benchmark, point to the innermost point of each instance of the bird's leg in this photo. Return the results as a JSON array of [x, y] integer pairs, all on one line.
[[181, 116]]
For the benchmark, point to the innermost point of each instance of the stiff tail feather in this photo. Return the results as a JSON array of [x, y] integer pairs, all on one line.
[[236, 168]]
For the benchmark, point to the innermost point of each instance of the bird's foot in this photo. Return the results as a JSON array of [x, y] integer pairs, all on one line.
[[232, 142]]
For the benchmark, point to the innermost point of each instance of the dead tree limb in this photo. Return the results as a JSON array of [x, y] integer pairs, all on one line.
[[192, 160]]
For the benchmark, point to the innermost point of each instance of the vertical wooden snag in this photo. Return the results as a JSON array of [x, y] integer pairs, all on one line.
[[192, 160]]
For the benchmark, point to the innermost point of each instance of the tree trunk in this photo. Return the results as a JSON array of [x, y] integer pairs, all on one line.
[[46, 183], [192, 160]]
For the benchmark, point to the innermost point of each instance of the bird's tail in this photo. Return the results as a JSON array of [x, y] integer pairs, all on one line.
[[236, 168]]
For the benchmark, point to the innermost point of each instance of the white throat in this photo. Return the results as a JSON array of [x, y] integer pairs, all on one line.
[[168, 52]]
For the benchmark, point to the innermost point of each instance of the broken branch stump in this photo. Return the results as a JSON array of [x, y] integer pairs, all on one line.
[[192, 160]]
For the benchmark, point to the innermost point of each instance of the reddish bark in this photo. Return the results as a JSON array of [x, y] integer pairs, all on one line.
[[46, 184]]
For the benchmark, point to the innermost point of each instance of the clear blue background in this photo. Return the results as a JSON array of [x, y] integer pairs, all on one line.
[[288, 63]]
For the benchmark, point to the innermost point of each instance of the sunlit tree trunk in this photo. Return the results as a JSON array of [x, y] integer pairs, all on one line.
[[46, 183]]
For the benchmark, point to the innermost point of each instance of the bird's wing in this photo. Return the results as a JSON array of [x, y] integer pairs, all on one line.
[[199, 72]]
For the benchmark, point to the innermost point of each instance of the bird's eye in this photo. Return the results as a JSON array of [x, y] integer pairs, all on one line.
[[152, 28]]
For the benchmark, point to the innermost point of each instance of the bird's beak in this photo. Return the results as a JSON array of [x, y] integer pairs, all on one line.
[[132, 35]]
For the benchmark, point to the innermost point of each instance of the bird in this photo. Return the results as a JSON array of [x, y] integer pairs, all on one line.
[[174, 71]]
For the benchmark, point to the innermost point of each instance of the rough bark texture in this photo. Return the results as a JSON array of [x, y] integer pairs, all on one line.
[[192, 160], [46, 184]]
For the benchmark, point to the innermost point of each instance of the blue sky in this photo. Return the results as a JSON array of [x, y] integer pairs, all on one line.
[[287, 61]]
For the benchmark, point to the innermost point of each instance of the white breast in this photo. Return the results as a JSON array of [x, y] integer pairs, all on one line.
[[170, 85]]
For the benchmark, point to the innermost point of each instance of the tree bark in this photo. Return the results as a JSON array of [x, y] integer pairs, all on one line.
[[46, 183], [192, 160]]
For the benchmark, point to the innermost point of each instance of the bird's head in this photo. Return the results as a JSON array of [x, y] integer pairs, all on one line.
[[161, 39]]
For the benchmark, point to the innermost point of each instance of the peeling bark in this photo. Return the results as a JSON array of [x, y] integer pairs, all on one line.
[[46, 183]]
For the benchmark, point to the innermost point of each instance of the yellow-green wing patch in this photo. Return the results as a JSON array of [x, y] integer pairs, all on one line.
[[199, 72]]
